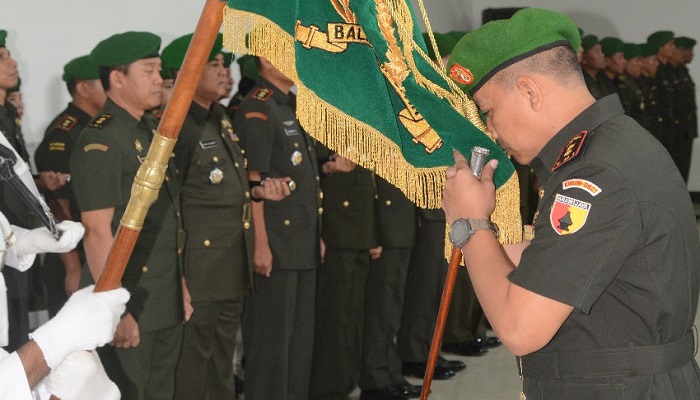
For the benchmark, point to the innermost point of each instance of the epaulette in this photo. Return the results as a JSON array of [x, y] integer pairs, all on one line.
[[101, 121], [571, 150], [262, 94], [67, 123]]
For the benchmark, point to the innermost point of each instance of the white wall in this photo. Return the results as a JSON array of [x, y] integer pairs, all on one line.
[[44, 35]]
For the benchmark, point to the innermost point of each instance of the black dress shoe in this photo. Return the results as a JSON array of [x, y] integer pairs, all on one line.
[[489, 342], [408, 390], [385, 393], [471, 348], [454, 365], [417, 370]]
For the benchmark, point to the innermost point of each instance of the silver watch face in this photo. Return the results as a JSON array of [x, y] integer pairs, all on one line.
[[460, 232]]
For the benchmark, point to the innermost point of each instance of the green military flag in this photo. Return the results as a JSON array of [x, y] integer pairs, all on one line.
[[367, 89]]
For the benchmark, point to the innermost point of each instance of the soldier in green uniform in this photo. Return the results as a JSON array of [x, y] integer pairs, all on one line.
[[592, 62], [665, 87], [348, 234], [216, 214], [14, 97], [249, 76], [61, 272], [381, 376], [685, 99], [629, 89], [142, 357], [613, 50], [603, 299], [647, 82], [278, 319]]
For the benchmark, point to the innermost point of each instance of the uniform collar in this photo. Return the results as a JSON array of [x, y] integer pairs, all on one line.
[[120, 114], [277, 94], [199, 113], [599, 112], [77, 112]]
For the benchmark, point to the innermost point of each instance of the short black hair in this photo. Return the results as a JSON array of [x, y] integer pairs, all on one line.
[[106, 71]]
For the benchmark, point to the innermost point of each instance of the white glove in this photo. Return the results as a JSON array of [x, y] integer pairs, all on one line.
[[40, 240], [81, 377], [86, 321]]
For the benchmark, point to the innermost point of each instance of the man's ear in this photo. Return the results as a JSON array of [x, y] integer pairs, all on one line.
[[531, 89], [116, 79]]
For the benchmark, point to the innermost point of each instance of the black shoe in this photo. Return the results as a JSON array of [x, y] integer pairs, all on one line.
[[239, 384], [454, 365], [385, 393], [471, 348], [417, 370], [408, 390], [489, 342]]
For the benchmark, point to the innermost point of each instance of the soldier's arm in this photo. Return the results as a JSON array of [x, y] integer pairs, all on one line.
[[262, 255], [71, 260], [98, 238]]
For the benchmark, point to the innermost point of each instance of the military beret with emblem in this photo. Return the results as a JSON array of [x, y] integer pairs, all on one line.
[[125, 48], [445, 44], [3, 36], [611, 45], [498, 44], [588, 41], [174, 53], [647, 50], [249, 68], [632, 50], [80, 68], [684, 42], [660, 38], [15, 88]]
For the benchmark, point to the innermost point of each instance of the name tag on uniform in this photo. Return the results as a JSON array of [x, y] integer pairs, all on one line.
[[291, 131], [207, 144]]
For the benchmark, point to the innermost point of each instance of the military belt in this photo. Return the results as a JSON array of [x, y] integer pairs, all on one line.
[[625, 361]]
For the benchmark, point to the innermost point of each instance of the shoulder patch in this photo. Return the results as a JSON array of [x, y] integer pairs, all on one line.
[[67, 123], [571, 150], [256, 114], [95, 146], [582, 184], [262, 94], [101, 121]]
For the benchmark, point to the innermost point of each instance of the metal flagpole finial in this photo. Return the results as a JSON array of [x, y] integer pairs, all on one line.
[[478, 160]]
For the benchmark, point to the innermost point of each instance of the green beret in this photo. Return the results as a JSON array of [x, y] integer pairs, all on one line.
[[228, 59], [611, 45], [445, 44], [580, 31], [684, 42], [3, 36], [456, 35], [249, 68], [647, 50], [631, 51], [498, 44], [80, 68], [660, 38], [174, 53], [589, 41], [125, 48], [14, 88], [166, 73]]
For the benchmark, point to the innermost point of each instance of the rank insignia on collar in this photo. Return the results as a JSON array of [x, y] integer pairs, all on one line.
[[571, 150], [226, 124], [138, 146], [101, 121], [262, 94], [18, 122], [568, 215], [67, 123]]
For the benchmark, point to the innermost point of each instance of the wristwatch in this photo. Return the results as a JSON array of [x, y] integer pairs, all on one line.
[[463, 229]]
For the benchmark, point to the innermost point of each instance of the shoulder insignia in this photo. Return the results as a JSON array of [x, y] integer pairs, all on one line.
[[95, 146], [582, 184], [138, 146], [57, 146], [18, 122], [568, 215], [256, 114], [571, 150], [262, 94], [101, 121], [67, 123]]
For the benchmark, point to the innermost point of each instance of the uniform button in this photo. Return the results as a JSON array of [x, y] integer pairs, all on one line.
[[207, 243], [346, 203], [320, 210], [318, 178], [320, 194], [154, 131], [242, 151], [215, 159], [167, 179], [177, 214], [376, 196], [287, 222], [247, 195], [144, 269], [296, 145], [388, 202], [246, 225], [177, 170], [235, 164]]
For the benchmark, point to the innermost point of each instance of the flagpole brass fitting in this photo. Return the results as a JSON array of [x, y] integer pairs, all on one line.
[[148, 182]]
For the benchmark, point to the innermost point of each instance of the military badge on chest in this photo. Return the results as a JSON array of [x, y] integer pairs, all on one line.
[[297, 158], [216, 175]]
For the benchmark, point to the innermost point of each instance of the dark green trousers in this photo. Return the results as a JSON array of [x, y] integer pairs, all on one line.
[[466, 320], [340, 310], [205, 368]]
